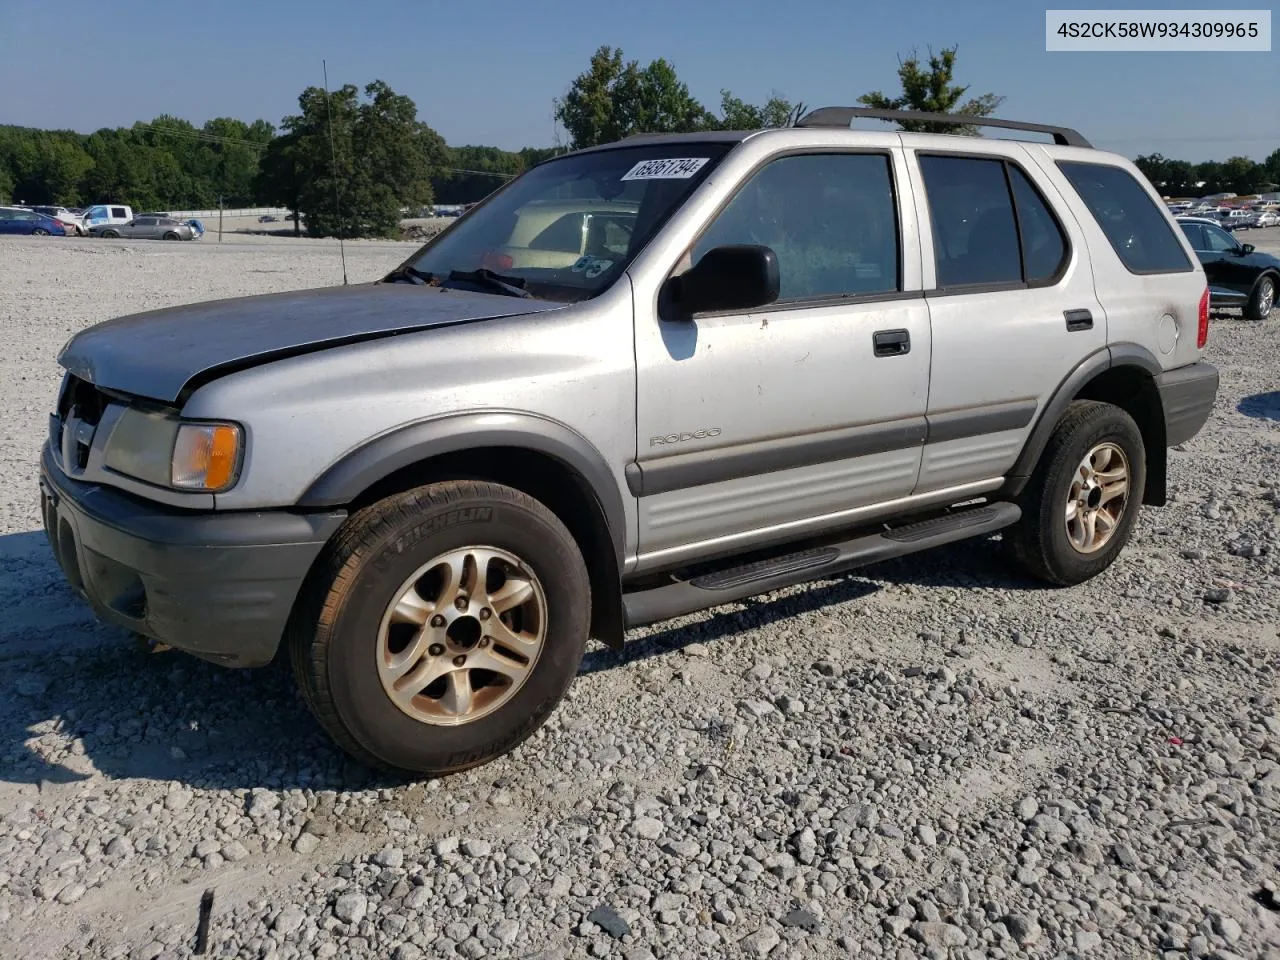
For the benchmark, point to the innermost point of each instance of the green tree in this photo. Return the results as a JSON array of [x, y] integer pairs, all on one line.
[[736, 114], [1242, 175], [474, 172], [1271, 168], [613, 99], [933, 91], [383, 156], [278, 180], [46, 167]]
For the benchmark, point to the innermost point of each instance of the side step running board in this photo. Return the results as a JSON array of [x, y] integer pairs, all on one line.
[[681, 597]]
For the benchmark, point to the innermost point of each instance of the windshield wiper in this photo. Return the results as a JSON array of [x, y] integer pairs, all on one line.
[[412, 274], [484, 277]]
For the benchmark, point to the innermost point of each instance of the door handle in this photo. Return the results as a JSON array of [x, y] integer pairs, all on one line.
[[891, 343], [1078, 320]]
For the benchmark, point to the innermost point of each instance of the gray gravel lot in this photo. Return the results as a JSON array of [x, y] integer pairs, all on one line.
[[923, 758]]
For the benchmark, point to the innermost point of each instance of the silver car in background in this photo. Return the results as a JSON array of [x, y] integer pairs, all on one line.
[[146, 228]]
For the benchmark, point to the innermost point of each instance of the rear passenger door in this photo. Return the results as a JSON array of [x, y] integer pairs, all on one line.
[[1011, 307]]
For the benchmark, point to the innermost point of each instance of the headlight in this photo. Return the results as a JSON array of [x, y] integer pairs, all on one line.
[[161, 449], [206, 456]]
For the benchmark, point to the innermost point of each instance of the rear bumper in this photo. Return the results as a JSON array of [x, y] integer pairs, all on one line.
[[217, 585], [1187, 395]]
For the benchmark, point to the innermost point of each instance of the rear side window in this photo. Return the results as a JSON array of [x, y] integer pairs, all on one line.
[[1194, 234], [1043, 247], [118, 212], [990, 224], [1135, 227]]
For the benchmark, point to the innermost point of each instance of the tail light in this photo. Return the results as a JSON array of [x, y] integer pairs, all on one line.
[[1202, 330]]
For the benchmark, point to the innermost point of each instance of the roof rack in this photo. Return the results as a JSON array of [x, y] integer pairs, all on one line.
[[843, 116]]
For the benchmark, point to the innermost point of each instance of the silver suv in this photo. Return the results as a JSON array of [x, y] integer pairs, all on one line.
[[771, 356]]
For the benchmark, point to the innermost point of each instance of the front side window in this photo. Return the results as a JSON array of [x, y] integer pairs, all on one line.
[[566, 229], [831, 219], [1218, 240], [1137, 229]]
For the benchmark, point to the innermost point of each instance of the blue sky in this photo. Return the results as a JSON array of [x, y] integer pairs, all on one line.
[[486, 71]]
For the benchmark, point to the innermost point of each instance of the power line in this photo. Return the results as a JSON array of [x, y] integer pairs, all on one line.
[[199, 135]]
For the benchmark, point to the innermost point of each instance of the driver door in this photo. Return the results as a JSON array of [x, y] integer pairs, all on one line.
[[1217, 252], [760, 425]]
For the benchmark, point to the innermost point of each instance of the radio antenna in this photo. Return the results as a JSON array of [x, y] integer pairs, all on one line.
[[333, 154]]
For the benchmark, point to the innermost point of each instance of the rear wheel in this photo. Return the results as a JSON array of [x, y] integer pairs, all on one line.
[[1081, 503], [39, 232], [444, 626], [1262, 299]]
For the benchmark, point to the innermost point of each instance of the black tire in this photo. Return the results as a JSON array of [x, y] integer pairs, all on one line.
[[171, 236], [39, 232], [1262, 299], [110, 234], [1039, 543], [332, 637]]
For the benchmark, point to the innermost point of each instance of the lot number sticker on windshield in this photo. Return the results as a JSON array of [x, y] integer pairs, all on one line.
[[676, 169]]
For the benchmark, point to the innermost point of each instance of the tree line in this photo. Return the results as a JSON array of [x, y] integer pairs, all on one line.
[[350, 160]]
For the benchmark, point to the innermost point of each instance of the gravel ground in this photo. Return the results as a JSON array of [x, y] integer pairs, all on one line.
[[924, 758]]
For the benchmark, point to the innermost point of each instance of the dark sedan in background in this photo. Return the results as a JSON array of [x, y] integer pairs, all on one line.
[[1239, 275], [28, 222]]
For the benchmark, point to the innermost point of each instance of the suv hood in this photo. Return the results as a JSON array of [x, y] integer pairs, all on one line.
[[160, 353]]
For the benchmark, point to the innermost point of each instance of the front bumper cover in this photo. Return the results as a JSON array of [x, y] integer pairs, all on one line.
[[220, 586]]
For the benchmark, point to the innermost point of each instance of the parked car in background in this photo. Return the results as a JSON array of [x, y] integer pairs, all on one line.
[[1238, 274], [267, 218], [28, 222], [71, 222], [147, 228], [105, 214], [1267, 218]]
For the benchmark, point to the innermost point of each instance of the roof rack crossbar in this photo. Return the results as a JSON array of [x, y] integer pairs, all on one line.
[[843, 116]]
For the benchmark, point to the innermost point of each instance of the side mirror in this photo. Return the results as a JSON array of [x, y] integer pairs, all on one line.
[[1246, 249], [729, 277]]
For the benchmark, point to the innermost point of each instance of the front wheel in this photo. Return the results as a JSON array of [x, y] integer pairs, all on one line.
[[171, 236], [110, 234], [442, 627], [1262, 299], [1081, 503]]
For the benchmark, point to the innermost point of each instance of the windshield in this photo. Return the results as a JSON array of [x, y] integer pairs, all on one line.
[[567, 229]]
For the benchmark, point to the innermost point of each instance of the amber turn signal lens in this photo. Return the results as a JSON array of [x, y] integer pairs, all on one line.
[[206, 456]]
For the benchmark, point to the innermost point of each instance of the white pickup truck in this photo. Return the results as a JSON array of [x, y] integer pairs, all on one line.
[[104, 213]]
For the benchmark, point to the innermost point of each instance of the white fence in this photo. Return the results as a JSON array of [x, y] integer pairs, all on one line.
[[242, 212]]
